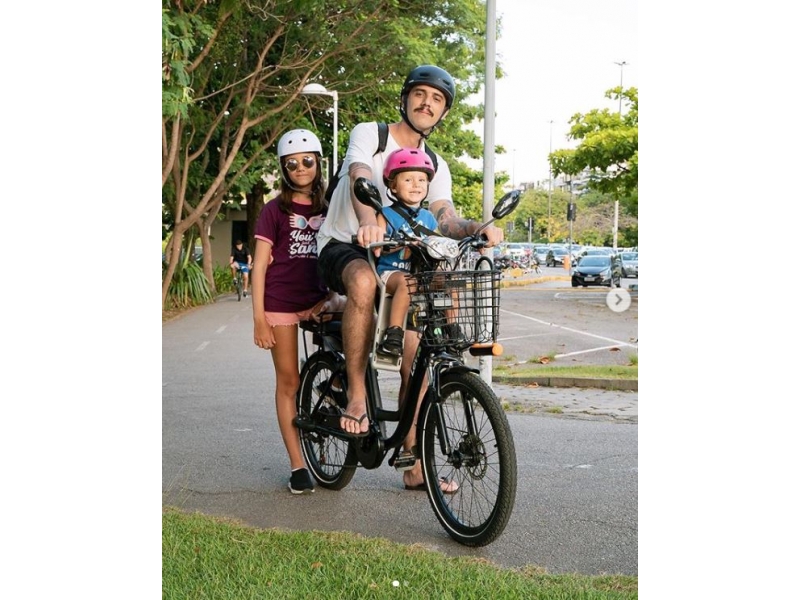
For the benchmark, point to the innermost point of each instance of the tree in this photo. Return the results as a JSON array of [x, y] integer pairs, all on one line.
[[232, 72], [609, 150]]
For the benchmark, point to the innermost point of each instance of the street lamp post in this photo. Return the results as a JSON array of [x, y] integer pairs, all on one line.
[[616, 201], [514, 169], [316, 89], [549, 182], [621, 66]]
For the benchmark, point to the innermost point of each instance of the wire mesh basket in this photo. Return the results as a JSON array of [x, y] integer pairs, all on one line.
[[456, 308]]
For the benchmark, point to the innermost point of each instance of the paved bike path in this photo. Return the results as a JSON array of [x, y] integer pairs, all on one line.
[[576, 507]]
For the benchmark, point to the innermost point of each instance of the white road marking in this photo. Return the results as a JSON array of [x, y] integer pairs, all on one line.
[[202, 346], [586, 333], [221, 329]]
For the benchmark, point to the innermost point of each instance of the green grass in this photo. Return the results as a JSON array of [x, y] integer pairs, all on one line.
[[211, 558], [585, 371]]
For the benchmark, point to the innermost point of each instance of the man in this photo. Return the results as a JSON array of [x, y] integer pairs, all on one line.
[[427, 95], [241, 260]]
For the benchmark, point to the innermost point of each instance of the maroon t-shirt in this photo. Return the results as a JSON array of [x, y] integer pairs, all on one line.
[[292, 283]]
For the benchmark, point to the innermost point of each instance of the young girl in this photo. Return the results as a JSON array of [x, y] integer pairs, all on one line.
[[407, 173], [286, 287]]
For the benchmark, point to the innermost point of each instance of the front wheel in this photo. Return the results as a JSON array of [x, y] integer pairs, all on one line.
[[239, 285], [331, 460], [466, 438]]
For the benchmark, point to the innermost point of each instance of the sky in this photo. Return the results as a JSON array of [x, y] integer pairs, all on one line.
[[559, 58]]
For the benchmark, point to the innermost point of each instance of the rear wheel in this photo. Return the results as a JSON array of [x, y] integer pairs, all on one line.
[[467, 439], [332, 461]]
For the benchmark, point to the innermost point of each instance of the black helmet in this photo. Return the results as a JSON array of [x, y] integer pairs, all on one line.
[[434, 77]]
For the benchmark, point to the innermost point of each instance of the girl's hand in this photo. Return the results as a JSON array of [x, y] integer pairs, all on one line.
[[263, 335]]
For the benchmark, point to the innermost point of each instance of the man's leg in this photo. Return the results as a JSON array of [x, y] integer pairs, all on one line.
[[357, 331], [413, 477]]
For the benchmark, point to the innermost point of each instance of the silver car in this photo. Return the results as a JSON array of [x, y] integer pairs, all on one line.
[[630, 264]]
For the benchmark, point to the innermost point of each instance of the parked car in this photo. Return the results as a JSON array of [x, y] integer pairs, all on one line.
[[596, 269], [630, 264], [555, 256], [540, 252]]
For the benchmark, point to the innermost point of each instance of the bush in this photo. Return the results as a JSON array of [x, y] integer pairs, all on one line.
[[189, 286]]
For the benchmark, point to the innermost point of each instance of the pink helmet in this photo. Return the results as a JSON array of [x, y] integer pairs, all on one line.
[[407, 159]]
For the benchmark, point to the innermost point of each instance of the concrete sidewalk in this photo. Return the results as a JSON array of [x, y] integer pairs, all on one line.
[[593, 403]]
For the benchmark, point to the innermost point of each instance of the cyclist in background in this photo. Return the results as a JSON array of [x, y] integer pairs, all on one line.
[[241, 261]]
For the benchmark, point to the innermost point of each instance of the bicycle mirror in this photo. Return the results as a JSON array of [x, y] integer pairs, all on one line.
[[366, 193]]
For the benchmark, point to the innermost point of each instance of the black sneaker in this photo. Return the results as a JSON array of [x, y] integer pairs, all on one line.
[[300, 482], [392, 343]]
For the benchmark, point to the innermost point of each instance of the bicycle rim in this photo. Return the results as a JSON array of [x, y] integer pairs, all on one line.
[[481, 460], [332, 461]]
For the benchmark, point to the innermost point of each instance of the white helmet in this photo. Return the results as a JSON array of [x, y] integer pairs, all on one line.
[[298, 140]]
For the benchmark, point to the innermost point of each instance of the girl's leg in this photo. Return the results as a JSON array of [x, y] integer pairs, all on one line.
[[287, 376]]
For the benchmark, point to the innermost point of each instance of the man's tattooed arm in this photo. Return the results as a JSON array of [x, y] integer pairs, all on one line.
[[450, 224]]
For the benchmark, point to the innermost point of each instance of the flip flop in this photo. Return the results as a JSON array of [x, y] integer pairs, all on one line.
[[442, 480], [358, 420]]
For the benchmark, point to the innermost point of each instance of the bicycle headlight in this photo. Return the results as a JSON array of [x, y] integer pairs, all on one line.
[[441, 248]]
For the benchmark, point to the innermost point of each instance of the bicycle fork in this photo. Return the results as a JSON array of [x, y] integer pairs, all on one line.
[[435, 374]]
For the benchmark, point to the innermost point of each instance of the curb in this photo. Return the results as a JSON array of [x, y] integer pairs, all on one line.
[[625, 385], [530, 280]]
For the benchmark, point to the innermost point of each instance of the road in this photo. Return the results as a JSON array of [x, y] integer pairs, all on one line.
[[576, 507]]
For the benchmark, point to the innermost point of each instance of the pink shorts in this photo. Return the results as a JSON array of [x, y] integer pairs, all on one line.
[[275, 319]]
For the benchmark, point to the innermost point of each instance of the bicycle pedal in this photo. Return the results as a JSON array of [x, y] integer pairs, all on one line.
[[405, 463]]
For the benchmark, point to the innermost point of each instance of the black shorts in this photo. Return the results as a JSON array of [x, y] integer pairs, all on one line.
[[335, 256]]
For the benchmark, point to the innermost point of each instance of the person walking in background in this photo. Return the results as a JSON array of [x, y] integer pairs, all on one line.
[[241, 260], [286, 287], [427, 95]]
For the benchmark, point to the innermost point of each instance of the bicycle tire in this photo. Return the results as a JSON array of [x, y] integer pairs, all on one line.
[[330, 460], [482, 460], [239, 285]]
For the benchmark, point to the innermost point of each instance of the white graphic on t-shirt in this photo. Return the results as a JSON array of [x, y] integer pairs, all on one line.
[[304, 239]]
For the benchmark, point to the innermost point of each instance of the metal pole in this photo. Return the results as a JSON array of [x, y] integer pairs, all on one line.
[[549, 182], [485, 362], [616, 201], [514, 169], [316, 89], [335, 95]]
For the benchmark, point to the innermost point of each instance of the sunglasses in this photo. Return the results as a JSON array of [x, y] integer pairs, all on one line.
[[292, 163]]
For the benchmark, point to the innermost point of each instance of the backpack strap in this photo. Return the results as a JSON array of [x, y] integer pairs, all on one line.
[[383, 136]]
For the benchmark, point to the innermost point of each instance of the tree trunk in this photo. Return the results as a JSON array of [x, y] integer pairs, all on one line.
[[255, 202]]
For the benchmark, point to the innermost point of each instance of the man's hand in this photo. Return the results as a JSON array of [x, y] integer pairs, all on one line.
[[494, 235], [371, 234]]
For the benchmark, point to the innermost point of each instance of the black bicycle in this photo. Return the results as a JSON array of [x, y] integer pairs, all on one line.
[[462, 431], [238, 283]]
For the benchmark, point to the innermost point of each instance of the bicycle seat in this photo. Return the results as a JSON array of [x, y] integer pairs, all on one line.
[[332, 326]]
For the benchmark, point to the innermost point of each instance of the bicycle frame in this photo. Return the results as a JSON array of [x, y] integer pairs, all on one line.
[[463, 436]]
